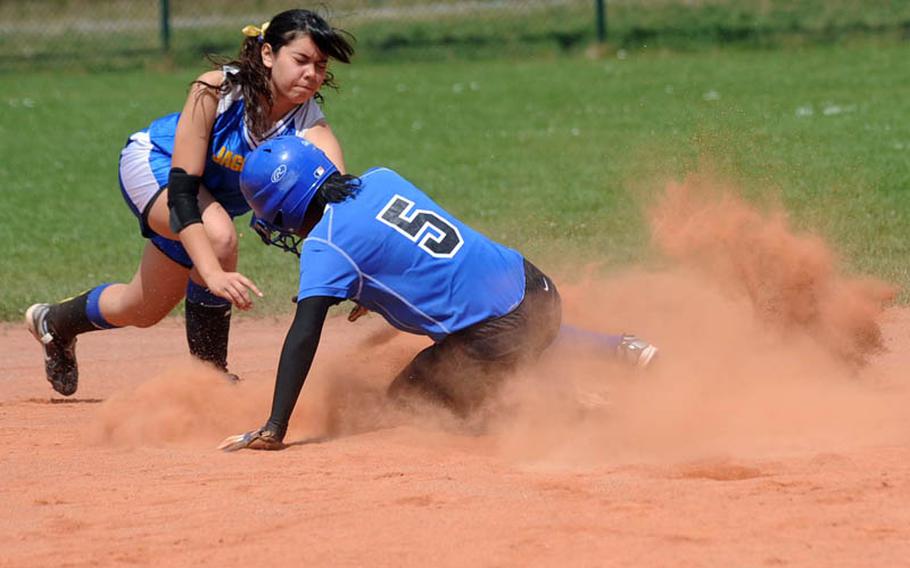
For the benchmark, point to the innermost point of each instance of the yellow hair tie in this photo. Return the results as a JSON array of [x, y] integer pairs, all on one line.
[[253, 31]]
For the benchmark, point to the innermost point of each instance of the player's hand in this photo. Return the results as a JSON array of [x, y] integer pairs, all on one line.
[[357, 312], [234, 287], [260, 439]]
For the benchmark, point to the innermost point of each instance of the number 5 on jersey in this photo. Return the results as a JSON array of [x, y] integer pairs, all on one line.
[[436, 236]]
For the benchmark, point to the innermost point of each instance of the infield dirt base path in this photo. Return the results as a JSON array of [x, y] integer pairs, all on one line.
[[125, 472]]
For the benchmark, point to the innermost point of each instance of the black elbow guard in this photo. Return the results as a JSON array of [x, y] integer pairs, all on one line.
[[183, 199]]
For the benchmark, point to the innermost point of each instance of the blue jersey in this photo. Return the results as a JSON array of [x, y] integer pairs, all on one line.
[[396, 252], [229, 144]]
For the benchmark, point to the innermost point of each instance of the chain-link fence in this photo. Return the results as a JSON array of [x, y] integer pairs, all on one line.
[[110, 31], [68, 30]]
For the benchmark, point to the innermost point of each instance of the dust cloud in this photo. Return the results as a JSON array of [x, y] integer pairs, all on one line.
[[190, 404], [767, 346]]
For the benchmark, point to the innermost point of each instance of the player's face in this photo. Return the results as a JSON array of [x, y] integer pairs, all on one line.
[[298, 69]]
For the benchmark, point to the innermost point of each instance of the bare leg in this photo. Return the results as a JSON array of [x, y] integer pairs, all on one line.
[[208, 317], [155, 289]]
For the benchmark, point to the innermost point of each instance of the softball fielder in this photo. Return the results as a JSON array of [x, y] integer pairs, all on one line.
[[180, 177], [380, 241]]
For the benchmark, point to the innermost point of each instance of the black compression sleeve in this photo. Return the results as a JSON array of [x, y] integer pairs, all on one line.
[[183, 199], [296, 357]]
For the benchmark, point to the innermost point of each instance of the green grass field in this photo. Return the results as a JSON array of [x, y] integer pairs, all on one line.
[[554, 155]]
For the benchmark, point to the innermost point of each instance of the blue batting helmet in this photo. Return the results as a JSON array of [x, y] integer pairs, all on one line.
[[280, 179]]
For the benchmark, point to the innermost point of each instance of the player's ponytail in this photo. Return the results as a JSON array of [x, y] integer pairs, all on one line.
[[339, 187], [252, 77]]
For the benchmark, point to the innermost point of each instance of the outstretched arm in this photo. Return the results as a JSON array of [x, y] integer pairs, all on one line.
[[296, 358], [191, 142]]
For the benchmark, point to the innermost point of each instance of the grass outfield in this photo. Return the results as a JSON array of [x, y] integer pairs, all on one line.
[[551, 155]]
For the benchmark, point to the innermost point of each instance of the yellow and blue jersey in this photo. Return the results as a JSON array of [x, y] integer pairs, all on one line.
[[396, 252]]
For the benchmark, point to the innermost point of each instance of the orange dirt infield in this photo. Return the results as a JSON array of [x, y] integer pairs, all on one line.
[[774, 431], [125, 472]]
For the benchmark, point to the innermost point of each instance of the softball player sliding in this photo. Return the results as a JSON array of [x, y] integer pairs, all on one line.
[[180, 177], [380, 241]]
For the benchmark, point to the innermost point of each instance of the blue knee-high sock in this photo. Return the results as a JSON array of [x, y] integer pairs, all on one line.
[[577, 337]]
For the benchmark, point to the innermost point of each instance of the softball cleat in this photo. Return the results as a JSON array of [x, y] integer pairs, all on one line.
[[636, 351], [59, 358], [261, 439]]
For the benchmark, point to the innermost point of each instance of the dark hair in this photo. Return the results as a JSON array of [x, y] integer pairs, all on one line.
[[253, 77], [339, 187]]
